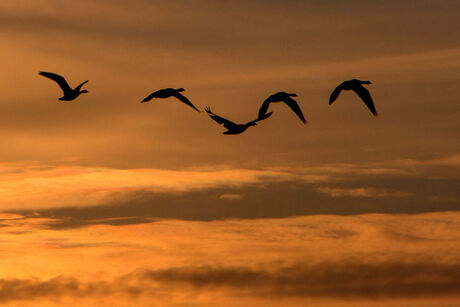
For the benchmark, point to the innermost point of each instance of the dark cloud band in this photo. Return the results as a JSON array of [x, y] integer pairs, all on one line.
[[389, 280]]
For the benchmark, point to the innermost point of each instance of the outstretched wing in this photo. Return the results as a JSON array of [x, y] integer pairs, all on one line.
[[366, 97], [59, 79], [335, 94], [264, 108], [295, 107], [78, 87], [185, 100], [220, 120], [149, 97]]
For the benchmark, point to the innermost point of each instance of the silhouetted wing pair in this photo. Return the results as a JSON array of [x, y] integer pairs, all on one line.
[[233, 128], [69, 93], [286, 98], [356, 86], [170, 92]]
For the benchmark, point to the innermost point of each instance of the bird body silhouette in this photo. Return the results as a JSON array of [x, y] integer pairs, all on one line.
[[356, 86], [286, 98], [170, 92], [69, 93], [233, 128]]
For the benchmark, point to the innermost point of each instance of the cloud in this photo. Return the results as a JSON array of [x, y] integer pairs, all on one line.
[[35, 185], [224, 53], [9, 216], [360, 192], [378, 257], [17, 289], [344, 280], [40, 185], [75, 196], [388, 280]]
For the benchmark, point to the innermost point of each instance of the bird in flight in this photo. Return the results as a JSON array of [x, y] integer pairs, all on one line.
[[69, 93], [286, 98], [357, 86], [233, 128], [170, 92]]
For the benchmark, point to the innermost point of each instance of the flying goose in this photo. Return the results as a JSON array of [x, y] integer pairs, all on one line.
[[286, 98], [357, 86], [168, 92], [233, 128], [69, 93]]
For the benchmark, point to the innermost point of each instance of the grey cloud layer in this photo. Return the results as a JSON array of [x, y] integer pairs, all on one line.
[[342, 189], [173, 23], [358, 280], [387, 280]]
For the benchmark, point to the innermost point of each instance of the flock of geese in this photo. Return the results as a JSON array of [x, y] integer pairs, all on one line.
[[232, 128]]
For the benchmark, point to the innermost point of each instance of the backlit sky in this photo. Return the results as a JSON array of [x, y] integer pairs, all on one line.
[[105, 201]]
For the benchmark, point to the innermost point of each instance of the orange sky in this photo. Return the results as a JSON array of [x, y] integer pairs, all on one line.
[[105, 201]]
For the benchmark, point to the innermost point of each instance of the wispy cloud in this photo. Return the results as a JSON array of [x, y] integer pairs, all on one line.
[[33, 185], [37, 185], [361, 192]]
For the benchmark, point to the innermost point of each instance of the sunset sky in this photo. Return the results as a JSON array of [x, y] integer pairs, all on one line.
[[105, 201]]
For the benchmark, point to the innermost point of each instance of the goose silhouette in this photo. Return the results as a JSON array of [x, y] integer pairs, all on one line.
[[170, 92], [286, 98], [356, 86], [233, 128], [69, 93]]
